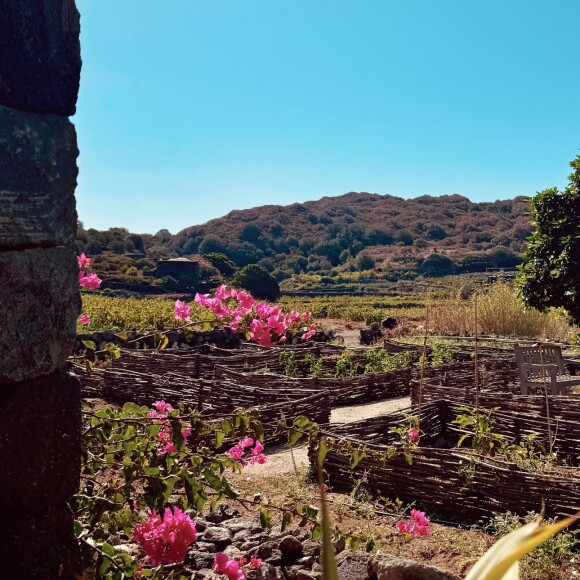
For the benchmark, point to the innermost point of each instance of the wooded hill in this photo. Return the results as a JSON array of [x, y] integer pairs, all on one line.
[[402, 238], [340, 232]]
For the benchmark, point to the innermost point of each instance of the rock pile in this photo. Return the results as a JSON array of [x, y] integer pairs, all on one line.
[[288, 555]]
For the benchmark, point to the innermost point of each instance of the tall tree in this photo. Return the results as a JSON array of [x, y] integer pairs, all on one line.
[[550, 275]]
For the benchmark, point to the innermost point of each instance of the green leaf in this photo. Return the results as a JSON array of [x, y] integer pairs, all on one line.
[[219, 439], [78, 528], [286, 519], [323, 449], [163, 342], [265, 518], [212, 479], [89, 344], [316, 532], [301, 422], [356, 457], [293, 437]]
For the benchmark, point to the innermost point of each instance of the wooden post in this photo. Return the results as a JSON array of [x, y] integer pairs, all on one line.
[[476, 352], [423, 363], [550, 440]]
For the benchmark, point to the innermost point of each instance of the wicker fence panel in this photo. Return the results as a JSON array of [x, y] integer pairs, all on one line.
[[342, 391], [455, 483]]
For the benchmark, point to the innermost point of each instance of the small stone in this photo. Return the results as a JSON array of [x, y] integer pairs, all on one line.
[[352, 565], [242, 536], [218, 535], [387, 567], [234, 553], [239, 524], [205, 547], [247, 546], [306, 561], [200, 559], [291, 549], [298, 573], [311, 548]]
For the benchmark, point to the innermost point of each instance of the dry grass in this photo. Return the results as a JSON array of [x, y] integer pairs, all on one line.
[[501, 312]]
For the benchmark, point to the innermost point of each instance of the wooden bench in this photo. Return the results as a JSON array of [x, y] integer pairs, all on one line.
[[543, 364]]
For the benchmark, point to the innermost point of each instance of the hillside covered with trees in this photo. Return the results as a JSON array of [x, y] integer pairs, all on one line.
[[382, 235], [360, 231]]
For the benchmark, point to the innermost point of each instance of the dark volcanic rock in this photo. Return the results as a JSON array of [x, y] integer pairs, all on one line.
[[40, 61], [40, 446], [38, 177], [39, 306]]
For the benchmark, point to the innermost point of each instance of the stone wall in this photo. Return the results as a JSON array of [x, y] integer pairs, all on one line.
[[39, 299]]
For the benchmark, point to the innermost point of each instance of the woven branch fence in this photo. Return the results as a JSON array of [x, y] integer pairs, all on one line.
[[455, 483], [516, 415], [215, 399], [342, 391]]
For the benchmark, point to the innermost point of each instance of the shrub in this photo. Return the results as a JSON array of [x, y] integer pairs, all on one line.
[[258, 281]]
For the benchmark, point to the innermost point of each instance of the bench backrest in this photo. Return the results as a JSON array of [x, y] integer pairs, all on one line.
[[546, 354]]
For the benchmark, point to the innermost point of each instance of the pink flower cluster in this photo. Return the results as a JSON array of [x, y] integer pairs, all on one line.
[[239, 450], [91, 281], [166, 541], [413, 435], [222, 564], [418, 524], [181, 310], [266, 324], [164, 437], [87, 280]]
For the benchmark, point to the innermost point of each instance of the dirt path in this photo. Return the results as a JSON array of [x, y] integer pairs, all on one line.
[[282, 460]]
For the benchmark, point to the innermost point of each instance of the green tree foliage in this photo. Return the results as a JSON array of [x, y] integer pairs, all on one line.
[[258, 281], [364, 262], [226, 267], [550, 275], [437, 265]]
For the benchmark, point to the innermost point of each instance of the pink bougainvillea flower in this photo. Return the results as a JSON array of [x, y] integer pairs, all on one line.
[[219, 309], [84, 319], [162, 407], [239, 452], [310, 332], [418, 524], [165, 435], [255, 563], [91, 281], [413, 435], [403, 527], [181, 310], [223, 565], [166, 541], [245, 299], [83, 261]]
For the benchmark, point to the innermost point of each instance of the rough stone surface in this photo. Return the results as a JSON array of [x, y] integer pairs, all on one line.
[[39, 306], [40, 441], [40, 60], [386, 567], [352, 565], [38, 176], [38, 544]]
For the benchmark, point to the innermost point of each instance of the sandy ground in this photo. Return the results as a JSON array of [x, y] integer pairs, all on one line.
[[282, 460]]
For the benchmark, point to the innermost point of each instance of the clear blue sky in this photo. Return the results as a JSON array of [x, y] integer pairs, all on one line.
[[189, 108]]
